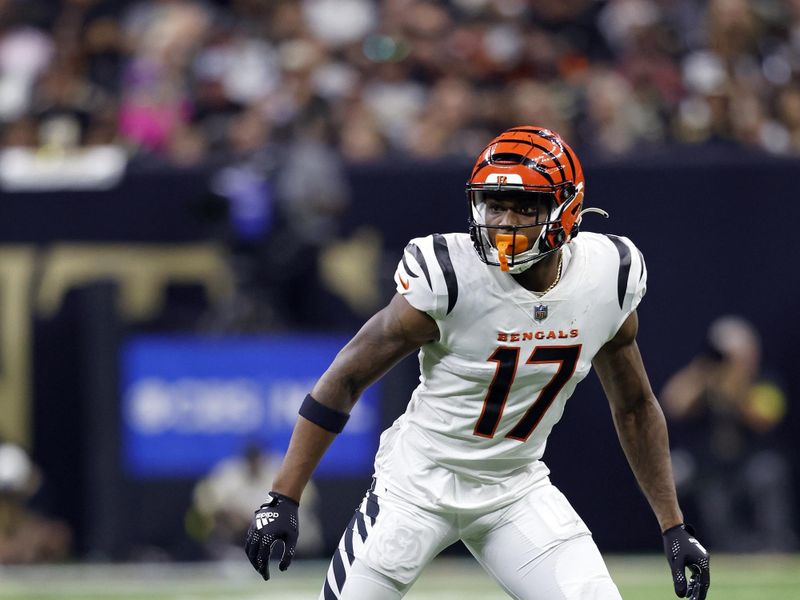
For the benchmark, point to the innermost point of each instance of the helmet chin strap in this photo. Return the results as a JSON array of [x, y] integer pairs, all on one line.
[[529, 257], [525, 257], [524, 266]]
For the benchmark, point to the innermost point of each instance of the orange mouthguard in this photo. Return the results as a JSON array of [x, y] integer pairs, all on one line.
[[505, 249]]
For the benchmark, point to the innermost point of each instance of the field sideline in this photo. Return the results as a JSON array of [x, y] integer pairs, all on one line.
[[736, 577]]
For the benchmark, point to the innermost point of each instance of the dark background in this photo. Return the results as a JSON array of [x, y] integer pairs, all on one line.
[[717, 229]]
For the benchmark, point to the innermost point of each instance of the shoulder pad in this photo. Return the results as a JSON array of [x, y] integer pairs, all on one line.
[[425, 276], [631, 274]]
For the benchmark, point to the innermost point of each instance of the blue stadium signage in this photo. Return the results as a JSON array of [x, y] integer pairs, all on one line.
[[189, 402]]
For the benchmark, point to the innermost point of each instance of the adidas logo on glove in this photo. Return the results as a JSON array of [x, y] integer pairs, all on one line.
[[265, 518]]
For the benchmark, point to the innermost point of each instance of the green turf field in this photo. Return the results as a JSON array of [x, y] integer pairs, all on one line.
[[639, 578]]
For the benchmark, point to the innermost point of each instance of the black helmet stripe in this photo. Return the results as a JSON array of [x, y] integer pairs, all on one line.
[[552, 138], [525, 161], [512, 156], [547, 151], [554, 158], [569, 158], [539, 168], [478, 167], [542, 133]]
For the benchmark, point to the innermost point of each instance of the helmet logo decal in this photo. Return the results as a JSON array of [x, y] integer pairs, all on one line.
[[504, 178], [539, 312]]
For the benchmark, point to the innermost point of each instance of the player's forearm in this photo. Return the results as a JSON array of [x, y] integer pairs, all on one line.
[[383, 340], [308, 444], [642, 432], [338, 390]]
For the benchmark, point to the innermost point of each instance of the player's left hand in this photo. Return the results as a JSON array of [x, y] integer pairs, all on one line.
[[274, 521], [684, 551]]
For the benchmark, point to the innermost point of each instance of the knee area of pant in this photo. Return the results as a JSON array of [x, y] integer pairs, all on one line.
[[365, 582], [581, 573]]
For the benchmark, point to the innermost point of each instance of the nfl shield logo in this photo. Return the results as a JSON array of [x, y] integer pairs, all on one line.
[[540, 312]]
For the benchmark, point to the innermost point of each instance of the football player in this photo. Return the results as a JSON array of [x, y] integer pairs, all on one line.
[[507, 320]]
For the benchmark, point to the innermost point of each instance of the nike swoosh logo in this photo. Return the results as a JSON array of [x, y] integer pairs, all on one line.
[[403, 282]]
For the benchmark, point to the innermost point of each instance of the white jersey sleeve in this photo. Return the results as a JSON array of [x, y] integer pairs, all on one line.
[[424, 276], [631, 277]]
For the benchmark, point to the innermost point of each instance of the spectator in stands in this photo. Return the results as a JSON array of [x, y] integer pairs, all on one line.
[[620, 74], [731, 462], [223, 504], [26, 536]]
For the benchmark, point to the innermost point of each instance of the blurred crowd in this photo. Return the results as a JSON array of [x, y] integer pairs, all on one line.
[[730, 457], [186, 82]]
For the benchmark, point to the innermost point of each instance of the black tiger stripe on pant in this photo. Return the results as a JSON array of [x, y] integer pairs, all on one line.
[[350, 544]]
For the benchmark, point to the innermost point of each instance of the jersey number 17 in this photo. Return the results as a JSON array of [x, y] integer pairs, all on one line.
[[507, 359]]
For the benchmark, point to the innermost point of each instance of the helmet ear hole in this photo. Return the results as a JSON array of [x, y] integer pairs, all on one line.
[[567, 192]]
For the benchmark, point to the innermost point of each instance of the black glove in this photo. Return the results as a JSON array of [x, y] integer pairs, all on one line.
[[683, 550], [273, 521]]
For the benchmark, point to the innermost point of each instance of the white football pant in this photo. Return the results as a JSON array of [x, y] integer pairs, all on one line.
[[536, 548]]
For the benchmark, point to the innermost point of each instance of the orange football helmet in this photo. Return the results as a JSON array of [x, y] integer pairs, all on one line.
[[526, 161]]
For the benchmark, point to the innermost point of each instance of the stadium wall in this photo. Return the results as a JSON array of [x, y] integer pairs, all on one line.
[[717, 229]]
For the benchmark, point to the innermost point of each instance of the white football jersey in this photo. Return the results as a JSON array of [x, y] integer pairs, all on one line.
[[497, 380]]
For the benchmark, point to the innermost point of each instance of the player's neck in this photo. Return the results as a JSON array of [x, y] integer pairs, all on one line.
[[542, 275]]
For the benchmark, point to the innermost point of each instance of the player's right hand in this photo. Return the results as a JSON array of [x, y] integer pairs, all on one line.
[[684, 551], [274, 521]]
